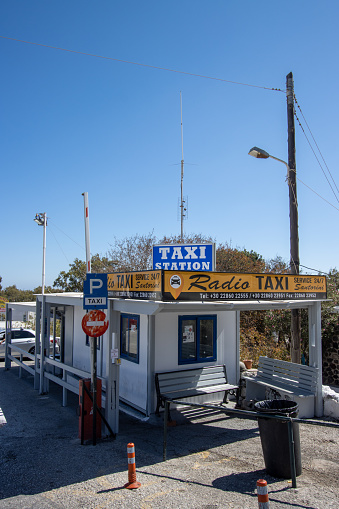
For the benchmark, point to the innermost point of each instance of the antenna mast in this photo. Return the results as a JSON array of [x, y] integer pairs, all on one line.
[[182, 209]]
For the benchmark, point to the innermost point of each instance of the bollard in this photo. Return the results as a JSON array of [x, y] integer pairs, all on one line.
[[132, 476], [262, 494]]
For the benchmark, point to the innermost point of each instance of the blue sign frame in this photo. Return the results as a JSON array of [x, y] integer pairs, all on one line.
[[187, 257], [95, 291]]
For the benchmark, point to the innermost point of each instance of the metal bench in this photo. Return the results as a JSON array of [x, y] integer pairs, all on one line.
[[191, 383], [285, 380]]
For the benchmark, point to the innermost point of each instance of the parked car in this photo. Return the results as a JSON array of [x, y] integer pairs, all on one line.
[[22, 338]]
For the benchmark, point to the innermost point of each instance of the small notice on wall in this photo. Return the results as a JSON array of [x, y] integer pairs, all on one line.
[[188, 335], [114, 354]]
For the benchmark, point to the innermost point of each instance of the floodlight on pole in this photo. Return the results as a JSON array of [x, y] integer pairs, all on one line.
[[41, 220]]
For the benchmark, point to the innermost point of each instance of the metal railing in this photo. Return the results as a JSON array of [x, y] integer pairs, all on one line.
[[68, 373], [245, 414]]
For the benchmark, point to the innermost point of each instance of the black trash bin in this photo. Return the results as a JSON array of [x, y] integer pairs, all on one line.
[[274, 437]]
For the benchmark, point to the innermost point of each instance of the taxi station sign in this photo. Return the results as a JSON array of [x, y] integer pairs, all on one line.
[[197, 257], [214, 286]]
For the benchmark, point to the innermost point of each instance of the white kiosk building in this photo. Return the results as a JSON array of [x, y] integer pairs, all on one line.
[[165, 321]]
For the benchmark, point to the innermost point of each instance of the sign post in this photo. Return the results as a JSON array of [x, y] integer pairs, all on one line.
[[94, 324]]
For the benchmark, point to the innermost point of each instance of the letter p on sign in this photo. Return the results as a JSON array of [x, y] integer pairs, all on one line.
[[95, 284]]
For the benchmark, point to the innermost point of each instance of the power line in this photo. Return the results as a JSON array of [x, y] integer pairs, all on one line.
[[308, 141], [308, 127], [75, 242], [197, 76], [56, 240], [143, 65], [308, 187], [315, 192], [315, 270]]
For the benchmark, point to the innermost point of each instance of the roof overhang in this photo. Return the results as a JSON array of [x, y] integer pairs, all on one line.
[[151, 307]]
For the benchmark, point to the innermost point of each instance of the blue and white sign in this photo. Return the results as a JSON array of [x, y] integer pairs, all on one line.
[[95, 291], [196, 257]]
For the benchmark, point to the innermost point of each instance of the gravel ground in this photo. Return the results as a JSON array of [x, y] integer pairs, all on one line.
[[213, 461]]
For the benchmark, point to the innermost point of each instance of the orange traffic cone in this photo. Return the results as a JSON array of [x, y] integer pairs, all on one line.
[[262, 493], [132, 476]]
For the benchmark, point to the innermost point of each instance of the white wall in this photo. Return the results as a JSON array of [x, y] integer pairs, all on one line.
[[227, 348], [166, 343], [69, 334], [166, 347], [133, 376]]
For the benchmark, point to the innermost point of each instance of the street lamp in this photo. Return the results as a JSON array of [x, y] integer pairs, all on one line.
[[294, 238], [294, 245], [41, 220], [259, 153]]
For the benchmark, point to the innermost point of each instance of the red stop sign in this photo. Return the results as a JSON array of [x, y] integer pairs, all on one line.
[[94, 323]]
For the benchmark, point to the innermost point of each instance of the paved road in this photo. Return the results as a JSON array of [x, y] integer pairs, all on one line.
[[213, 461]]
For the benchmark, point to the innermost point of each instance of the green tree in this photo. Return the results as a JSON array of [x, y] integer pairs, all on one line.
[[132, 253], [231, 259], [329, 319], [73, 279], [13, 294], [188, 238], [48, 289], [135, 252], [267, 332], [261, 332], [277, 266]]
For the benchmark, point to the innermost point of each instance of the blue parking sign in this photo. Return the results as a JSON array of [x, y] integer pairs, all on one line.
[[95, 291]]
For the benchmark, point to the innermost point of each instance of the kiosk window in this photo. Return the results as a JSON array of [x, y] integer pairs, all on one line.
[[197, 339], [129, 337]]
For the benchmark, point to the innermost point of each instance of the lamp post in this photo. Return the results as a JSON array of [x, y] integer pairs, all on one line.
[[294, 247], [41, 220]]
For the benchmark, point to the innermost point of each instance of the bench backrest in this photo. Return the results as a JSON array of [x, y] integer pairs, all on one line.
[[190, 378], [288, 373]]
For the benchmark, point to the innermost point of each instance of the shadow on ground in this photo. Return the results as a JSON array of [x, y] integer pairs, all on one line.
[[40, 449]]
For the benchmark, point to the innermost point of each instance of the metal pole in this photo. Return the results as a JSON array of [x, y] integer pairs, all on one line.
[[292, 453], [94, 386], [87, 240], [82, 417], [165, 430], [42, 345], [294, 237], [93, 341], [37, 342], [8, 336], [44, 255]]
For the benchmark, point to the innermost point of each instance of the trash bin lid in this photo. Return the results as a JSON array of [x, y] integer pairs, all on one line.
[[276, 406]]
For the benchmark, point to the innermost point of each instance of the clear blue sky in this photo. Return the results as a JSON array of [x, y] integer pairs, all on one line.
[[72, 123]]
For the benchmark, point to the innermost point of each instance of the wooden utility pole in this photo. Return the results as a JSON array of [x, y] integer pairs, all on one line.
[[294, 236]]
